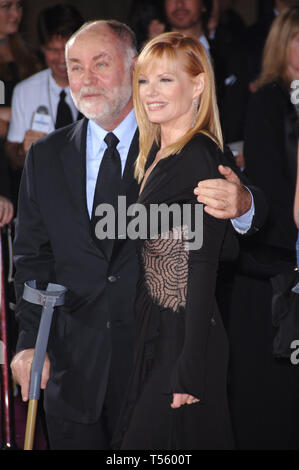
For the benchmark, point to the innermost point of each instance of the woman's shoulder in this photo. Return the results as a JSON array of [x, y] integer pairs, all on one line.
[[204, 141], [269, 104], [202, 154], [271, 93]]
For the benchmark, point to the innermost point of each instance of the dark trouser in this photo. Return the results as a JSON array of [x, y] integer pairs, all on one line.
[[67, 435], [64, 435]]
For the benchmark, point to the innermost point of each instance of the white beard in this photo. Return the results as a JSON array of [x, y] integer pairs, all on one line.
[[111, 106]]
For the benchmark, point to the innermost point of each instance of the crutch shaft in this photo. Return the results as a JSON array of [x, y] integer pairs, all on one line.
[[53, 296], [30, 424]]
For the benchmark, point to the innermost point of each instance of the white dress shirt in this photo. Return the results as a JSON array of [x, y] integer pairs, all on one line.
[[95, 149], [38, 90]]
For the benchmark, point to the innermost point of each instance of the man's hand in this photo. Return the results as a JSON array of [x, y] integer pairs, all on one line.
[[224, 198], [31, 137], [180, 399], [6, 211], [21, 369]]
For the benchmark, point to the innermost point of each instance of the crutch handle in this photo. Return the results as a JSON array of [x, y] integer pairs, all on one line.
[[53, 297]]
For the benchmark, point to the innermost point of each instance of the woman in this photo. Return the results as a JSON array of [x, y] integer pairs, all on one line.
[[147, 20], [264, 387], [177, 397], [16, 64]]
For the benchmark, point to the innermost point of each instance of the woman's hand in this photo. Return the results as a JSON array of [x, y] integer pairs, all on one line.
[[180, 399]]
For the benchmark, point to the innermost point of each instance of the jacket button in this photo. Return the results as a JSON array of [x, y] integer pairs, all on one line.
[[112, 278]]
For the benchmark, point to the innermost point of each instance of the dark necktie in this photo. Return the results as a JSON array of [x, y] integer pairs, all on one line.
[[107, 186], [64, 114]]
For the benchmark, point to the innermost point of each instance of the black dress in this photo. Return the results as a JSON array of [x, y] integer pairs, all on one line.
[[181, 344]]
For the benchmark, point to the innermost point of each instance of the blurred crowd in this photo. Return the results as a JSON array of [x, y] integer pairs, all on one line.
[[254, 70]]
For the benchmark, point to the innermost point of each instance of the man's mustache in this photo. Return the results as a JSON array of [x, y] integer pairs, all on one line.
[[91, 91]]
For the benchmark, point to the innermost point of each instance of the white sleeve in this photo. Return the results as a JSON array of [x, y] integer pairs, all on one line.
[[243, 223], [20, 116]]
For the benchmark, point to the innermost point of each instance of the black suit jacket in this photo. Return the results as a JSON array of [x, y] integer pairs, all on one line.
[[271, 160], [53, 243], [256, 36], [271, 163], [230, 67]]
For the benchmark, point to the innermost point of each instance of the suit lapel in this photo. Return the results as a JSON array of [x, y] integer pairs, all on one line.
[[73, 158]]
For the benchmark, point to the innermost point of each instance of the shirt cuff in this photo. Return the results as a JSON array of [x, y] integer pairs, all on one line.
[[243, 223]]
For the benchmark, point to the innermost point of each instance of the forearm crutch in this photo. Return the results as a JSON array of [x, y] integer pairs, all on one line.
[[8, 434], [50, 298]]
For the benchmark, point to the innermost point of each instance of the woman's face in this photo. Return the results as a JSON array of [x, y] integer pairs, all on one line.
[[10, 16], [293, 58], [167, 93]]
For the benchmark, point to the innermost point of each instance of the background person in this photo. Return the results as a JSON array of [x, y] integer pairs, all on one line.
[[264, 388], [16, 64], [147, 20], [55, 25], [16, 61], [192, 17], [256, 36]]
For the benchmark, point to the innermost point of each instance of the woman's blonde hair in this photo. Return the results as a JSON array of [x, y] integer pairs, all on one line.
[[206, 120], [276, 50]]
